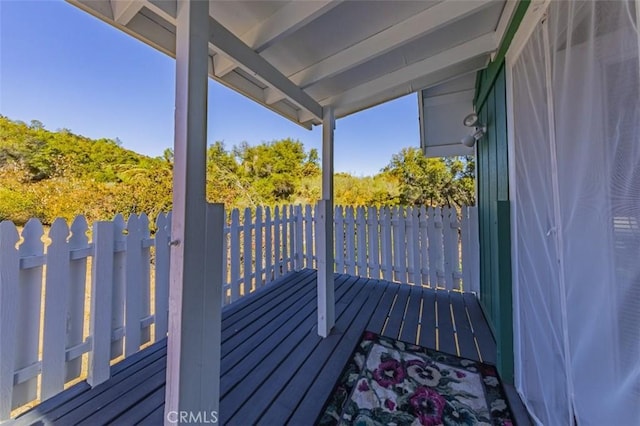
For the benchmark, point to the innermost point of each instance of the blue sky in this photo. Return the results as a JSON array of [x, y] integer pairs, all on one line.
[[69, 70]]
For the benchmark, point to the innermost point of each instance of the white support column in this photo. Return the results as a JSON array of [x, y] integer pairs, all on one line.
[[326, 298], [193, 350]]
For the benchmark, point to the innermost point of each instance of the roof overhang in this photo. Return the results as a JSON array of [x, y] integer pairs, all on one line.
[[296, 57]]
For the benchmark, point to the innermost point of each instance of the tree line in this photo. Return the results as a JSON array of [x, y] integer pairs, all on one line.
[[48, 174]]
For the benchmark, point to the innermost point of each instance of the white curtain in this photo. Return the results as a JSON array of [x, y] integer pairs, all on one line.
[[576, 94]]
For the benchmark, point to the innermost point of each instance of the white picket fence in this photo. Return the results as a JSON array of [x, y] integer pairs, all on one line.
[[66, 299]]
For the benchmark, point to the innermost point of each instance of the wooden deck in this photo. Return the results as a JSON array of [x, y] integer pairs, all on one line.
[[275, 368]]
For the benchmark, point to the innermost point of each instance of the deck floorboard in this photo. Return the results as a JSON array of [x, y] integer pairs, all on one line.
[[275, 368]]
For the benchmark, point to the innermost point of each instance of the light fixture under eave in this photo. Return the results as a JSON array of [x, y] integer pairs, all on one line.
[[479, 130]]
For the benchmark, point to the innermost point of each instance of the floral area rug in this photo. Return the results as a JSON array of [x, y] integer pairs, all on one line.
[[388, 382]]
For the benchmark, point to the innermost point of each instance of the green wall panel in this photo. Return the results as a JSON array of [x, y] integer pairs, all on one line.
[[494, 222]]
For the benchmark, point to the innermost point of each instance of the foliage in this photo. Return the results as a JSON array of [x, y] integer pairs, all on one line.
[[46, 174], [432, 181]]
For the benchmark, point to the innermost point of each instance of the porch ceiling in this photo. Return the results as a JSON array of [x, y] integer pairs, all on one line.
[[295, 57]]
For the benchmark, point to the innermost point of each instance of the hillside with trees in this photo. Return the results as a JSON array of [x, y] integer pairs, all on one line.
[[47, 174]]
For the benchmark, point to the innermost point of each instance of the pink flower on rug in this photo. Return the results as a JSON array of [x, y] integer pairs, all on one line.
[[363, 386], [389, 373], [428, 406], [460, 374], [390, 404]]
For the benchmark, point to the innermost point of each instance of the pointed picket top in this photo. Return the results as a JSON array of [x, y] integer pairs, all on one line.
[[161, 222], [169, 216], [32, 244], [59, 232], [133, 223], [437, 213], [119, 226], [235, 216], [143, 222], [9, 235], [276, 212], [79, 228]]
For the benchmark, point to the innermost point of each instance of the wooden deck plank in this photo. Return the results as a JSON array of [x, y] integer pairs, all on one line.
[[319, 389], [270, 357], [428, 319], [466, 343], [235, 365], [262, 324], [295, 287], [379, 317], [261, 295], [481, 330], [392, 328], [446, 339], [107, 412], [293, 392], [155, 418], [409, 330], [142, 409]]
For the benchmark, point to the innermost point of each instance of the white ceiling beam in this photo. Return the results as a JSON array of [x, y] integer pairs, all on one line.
[[271, 95], [230, 45], [166, 9], [479, 46], [125, 10], [222, 65], [283, 22], [417, 26], [436, 78]]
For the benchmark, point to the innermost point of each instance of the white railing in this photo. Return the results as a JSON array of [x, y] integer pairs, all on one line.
[[66, 298]]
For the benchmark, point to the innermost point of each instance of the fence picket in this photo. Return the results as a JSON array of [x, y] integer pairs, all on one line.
[[276, 243], [415, 230], [259, 250], [145, 265], [119, 280], [55, 310], [299, 247], [77, 287], [247, 253], [9, 294], [411, 236], [234, 232], [436, 260], [308, 237], [28, 315], [424, 246], [400, 246], [374, 244], [339, 239], [268, 244], [386, 244], [292, 239], [451, 247], [163, 232], [133, 288], [350, 236], [285, 241], [101, 301], [361, 234]]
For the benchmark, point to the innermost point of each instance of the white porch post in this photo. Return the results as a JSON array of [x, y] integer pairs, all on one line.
[[193, 350], [326, 298]]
